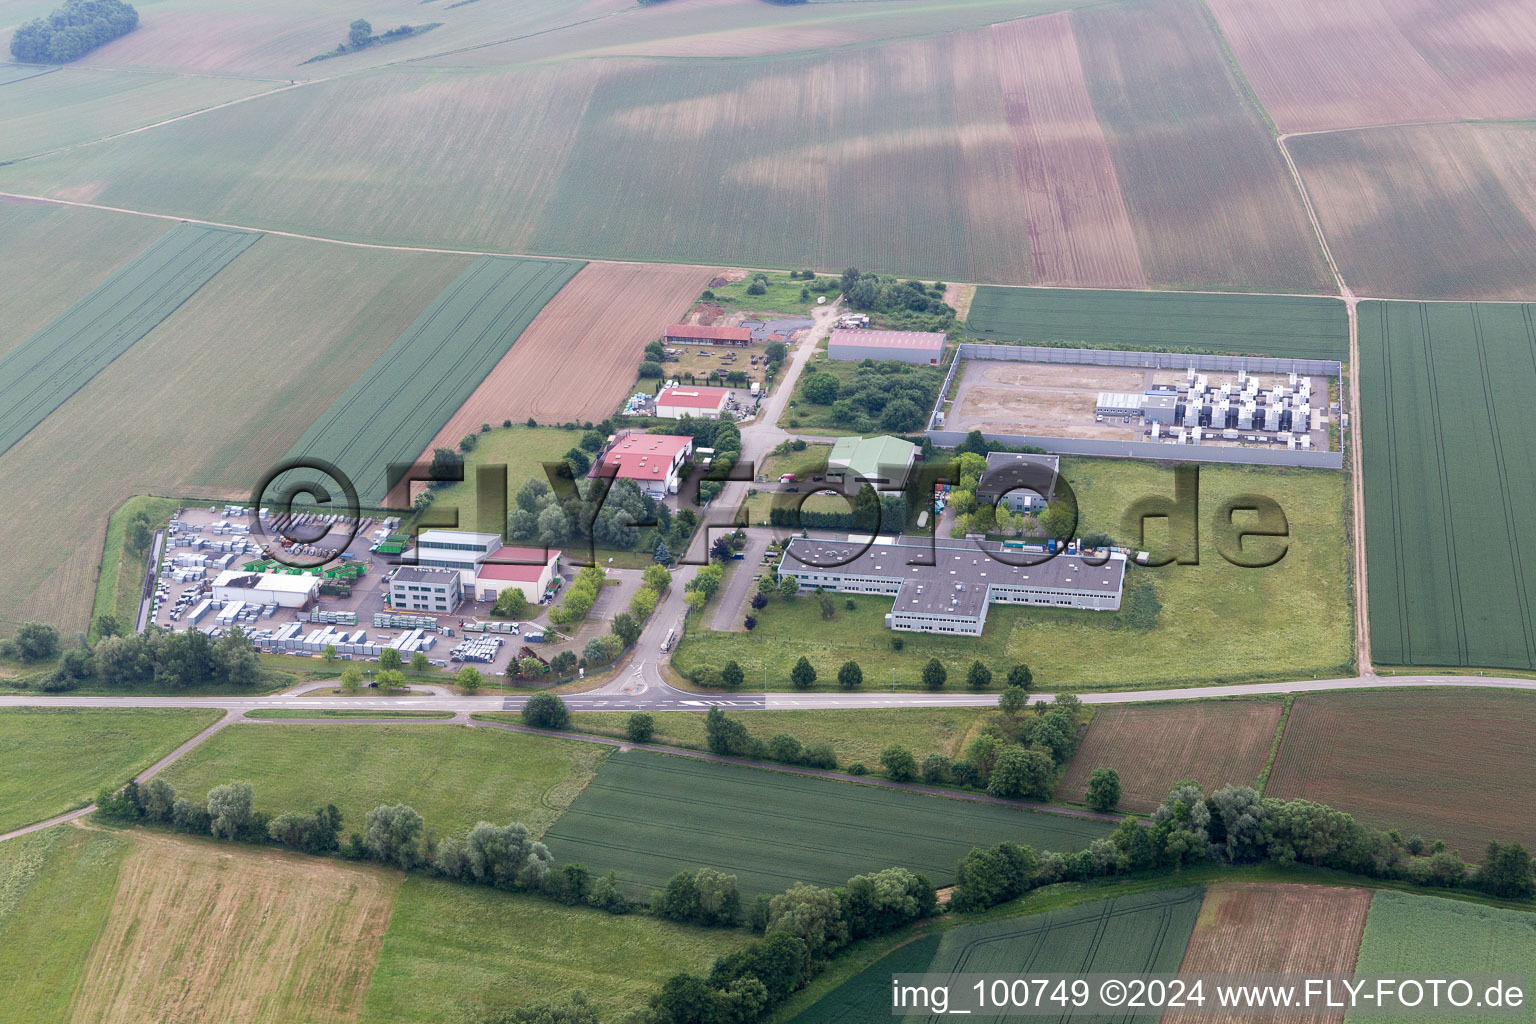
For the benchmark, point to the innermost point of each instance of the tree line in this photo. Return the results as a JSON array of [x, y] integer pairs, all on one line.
[[169, 660], [890, 396], [72, 30]]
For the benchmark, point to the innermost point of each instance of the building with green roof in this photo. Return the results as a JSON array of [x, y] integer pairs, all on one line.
[[883, 461]]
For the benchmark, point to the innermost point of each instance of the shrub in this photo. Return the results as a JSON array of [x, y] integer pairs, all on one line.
[[899, 764], [935, 768], [857, 768], [640, 727], [546, 711]]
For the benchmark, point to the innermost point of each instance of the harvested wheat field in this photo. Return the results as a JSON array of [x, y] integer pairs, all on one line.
[[1319, 64], [1427, 211], [218, 932], [577, 359], [1155, 746], [1443, 764], [1255, 928], [1079, 230]]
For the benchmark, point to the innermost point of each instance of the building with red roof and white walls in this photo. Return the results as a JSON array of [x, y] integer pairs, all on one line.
[[653, 461], [532, 570], [701, 403]]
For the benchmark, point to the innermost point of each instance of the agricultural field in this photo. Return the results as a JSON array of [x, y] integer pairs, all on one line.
[[647, 816], [1185, 624], [56, 887], [305, 318], [456, 951], [575, 361], [54, 254], [1210, 198], [42, 772], [246, 933], [1155, 746], [390, 414], [1317, 65], [454, 776], [1446, 441], [77, 105], [855, 734], [1429, 937], [1427, 211], [1267, 325], [1080, 231], [42, 372], [1257, 928], [1365, 753]]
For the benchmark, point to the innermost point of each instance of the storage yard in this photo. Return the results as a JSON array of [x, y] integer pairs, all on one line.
[[1287, 410]]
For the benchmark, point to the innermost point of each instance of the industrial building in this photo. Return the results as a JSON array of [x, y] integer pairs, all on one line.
[[953, 594], [701, 403], [885, 462], [1118, 403], [531, 570], [1023, 483], [653, 461], [903, 346], [415, 589], [694, 334], [236, 586], [453, 549]]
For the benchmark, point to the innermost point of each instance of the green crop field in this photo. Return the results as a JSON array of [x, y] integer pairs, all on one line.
[[1450, 489], [454, 776], [76, 105], [56, 887], [1132, 934], [648, 816], [394, 409], [856, 734], [1269, 325], [37, 376], [42, 772], [1179, 623], [1429, 937], [459, 952], [10, 73]]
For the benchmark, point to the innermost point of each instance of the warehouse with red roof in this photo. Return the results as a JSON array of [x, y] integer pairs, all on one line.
[[701, 403], [925, 347]]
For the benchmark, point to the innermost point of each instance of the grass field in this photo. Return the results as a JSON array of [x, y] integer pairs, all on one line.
[[42, 772], [42, 372], [121, 582], [200, 930], [1427, 211], [453, 776], [782, 294], [855, 734], [1152, 747], [394, 409], [1428, 937], [1270, 325], [523, 450], [1187, 623], [647, 816], [54, 254], [343, 713], [1365, 753], [1445, 458], [75, 105], [453, 951], [55, 890], [1247, 928], [200, 407]]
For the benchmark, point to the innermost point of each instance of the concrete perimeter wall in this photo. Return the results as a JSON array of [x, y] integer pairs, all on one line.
[[1276, 456], [1160, 360]]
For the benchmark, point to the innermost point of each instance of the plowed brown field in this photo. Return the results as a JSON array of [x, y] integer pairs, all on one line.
[[1320, 64], [577, 360], [1446, 764], [1275, 929], [204, 931], [1079, 230], [1153, 747]]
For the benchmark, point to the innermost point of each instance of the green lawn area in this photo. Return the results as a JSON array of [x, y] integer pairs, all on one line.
[[520, 448], [647, 816], [55, 759], [453, 775], [343, 713], [856, 734], [1209, 622], [122, 573], [1410, 936], [808, 417], [55, 889], [782, 296], [456, 951]]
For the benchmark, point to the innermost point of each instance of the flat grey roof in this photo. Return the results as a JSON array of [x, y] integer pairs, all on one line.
[[417, 574], [961, 572], [1007, 471]]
